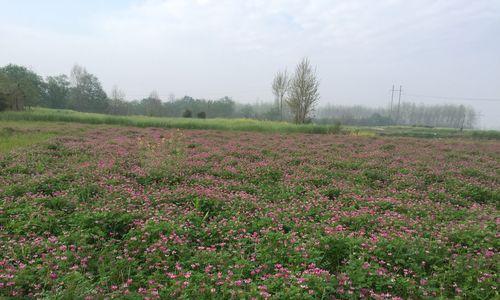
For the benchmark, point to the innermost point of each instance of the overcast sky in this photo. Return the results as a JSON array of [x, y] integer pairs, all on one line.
[[214, 48]]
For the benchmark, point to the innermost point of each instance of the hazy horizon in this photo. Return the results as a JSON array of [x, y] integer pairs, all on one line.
[[440, 51]]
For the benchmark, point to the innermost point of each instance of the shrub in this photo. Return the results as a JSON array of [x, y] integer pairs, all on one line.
[[209, 207], [480, 194], [334, 250], [107, 224], [86, 192], [187, 114], [60, 203]]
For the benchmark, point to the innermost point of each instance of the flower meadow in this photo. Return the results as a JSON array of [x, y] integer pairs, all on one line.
[[150, 213]]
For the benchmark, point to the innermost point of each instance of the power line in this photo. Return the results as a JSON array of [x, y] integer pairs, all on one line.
[[455, 98]]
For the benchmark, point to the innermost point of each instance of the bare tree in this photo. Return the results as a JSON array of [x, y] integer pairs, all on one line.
[[303, 94], [117, 102], [77, 74], [117, 94], [280, 87], [153, 104]]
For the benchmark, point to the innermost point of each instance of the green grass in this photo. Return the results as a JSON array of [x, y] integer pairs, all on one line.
[[50, 115], [53, 115], [11, 138], [19, 134], [426, 132]]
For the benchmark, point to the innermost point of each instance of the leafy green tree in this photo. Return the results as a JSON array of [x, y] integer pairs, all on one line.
[[56, 92], [187, 114], [86, 93], [4, 101], [223, 108], [19, 86], [5, 92]]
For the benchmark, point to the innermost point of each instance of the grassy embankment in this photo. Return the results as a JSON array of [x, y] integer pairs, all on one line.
[[53, 115]]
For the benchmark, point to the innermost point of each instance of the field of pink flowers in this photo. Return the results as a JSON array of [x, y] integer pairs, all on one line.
[[152, 213]]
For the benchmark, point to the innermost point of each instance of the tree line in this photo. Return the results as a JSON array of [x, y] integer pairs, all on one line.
[[296, 98], [82, 91], [409, 114]]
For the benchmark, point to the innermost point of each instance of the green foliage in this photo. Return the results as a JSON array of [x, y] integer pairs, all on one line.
[[208, 207], [187, 114], [86, 192], [332, 193], [107, 224], [87, 95], [56, 92], [130, 213], [480, 194], [4, 99], [49, 115], [60, 203], [362, 222], [335, 250], [376, 177], [19, 87]]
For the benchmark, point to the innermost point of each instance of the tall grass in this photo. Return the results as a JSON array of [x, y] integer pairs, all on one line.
[[51, 115]]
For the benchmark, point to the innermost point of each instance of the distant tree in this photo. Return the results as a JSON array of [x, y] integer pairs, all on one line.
[[187, 114], [4, 92], [6, 88], [56, 92], [201, 115], [117, 104], [153, 105], [19, 86], [273, 114], [280, 87], [224, 107], [439, 115], [171, 97], [303, 94], [86, 93], [247, 111], [4, 102]]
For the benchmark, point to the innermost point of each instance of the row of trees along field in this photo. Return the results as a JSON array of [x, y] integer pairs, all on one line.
[[296, 99], [300, 95], [82, 91], [438, 115]]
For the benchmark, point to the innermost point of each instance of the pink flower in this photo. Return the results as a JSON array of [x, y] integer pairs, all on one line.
[[380, 271]]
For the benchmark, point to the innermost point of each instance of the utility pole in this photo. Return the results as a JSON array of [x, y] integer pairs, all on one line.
[[392, 99], [399, 101]]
